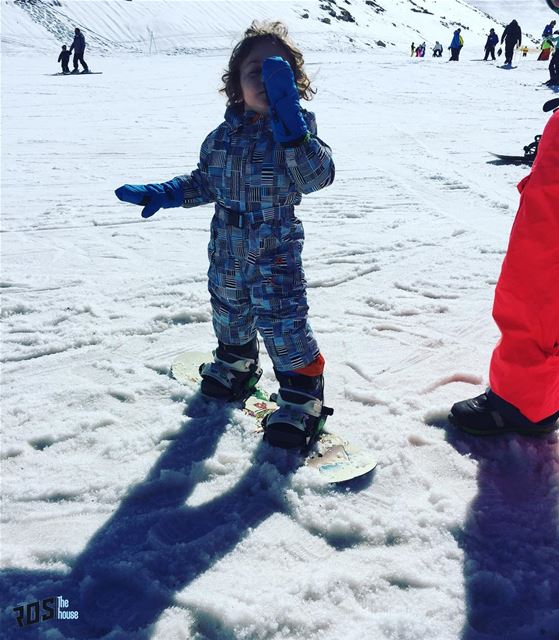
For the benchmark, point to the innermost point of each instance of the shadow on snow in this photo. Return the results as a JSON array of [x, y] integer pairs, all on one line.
[[155, 545], [510, 538]]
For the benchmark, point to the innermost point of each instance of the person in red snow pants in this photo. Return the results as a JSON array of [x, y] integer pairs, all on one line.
[[523, 396]]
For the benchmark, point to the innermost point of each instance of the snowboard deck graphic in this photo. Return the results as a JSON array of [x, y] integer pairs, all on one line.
[[336, 459]]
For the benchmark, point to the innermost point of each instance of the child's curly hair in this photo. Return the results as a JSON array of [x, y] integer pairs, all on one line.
[[257, 32]]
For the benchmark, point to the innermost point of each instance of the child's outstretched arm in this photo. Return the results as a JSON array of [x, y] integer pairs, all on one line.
[[186, 190], [309, 160]]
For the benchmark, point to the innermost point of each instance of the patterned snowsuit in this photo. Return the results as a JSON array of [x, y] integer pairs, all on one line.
[[525, 364], [256, 278]]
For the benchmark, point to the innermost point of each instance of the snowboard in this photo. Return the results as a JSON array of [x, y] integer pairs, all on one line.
[[333, 457], [551, 105], [513, 159], [81, 73]]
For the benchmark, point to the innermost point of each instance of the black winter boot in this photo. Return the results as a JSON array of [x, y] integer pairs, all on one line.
[[233, 374], [301, 414], [490, 415]]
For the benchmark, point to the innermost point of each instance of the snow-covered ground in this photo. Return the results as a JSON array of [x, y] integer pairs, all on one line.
[[156, 521]]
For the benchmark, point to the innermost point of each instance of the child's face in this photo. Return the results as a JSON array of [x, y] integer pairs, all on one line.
[[250, 75]]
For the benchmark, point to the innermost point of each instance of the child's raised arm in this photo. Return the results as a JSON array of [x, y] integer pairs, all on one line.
[[308, 159]]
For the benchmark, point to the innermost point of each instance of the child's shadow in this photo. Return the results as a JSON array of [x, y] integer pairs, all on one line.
[[154, 545], [511, 537]]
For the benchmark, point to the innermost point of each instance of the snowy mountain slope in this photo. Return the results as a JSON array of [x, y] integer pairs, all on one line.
[[180, 25], [531, 15]]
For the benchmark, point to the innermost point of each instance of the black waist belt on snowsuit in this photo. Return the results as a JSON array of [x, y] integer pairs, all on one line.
[[253, 218]]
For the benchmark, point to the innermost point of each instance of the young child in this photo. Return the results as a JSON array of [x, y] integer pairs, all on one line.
[[255, 166], [64, 58]]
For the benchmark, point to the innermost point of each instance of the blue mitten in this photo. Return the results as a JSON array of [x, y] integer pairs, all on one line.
[[288, 124], [153, 196]]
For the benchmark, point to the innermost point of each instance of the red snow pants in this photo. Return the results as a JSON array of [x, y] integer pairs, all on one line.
[[525, 363]]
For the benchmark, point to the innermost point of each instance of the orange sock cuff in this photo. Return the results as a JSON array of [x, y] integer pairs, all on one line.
[[315, 368]]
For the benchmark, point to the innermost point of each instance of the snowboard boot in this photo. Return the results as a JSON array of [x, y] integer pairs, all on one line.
[[490, 415], [301, 414], [233, 374]]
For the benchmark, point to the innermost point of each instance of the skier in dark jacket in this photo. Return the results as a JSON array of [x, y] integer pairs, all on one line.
[[492, 41], [78, 47], [554, 63], [64, 58], [512, 36]]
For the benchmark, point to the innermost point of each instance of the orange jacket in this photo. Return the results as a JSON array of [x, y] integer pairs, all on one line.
[[525, 363]]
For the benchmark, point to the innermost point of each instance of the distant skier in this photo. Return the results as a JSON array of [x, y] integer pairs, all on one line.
[[524, 373], [78, 47], [546, 49], [420, 51], [412, 49], [554, 63], [255, 167], [456, 45], [438, 50], [548, 29], [491, 43], [512, 36], [64, 58]]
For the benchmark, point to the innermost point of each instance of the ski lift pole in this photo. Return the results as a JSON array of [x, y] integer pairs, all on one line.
[[152, 44]]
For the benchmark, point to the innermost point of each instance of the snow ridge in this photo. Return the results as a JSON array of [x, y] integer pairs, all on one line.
[[176, 27]]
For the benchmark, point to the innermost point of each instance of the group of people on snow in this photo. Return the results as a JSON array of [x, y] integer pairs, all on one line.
[[78, 47], [455, 47], [511, 39], [419, 51]]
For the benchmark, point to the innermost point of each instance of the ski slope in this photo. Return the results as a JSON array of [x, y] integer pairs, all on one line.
[[157, 520], [178, 26]]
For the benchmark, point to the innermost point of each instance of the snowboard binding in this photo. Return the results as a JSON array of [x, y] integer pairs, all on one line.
[[298, 421], [229, 378], [530, 150]]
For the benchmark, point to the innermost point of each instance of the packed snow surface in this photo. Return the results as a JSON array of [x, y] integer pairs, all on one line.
[[157, 519]]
